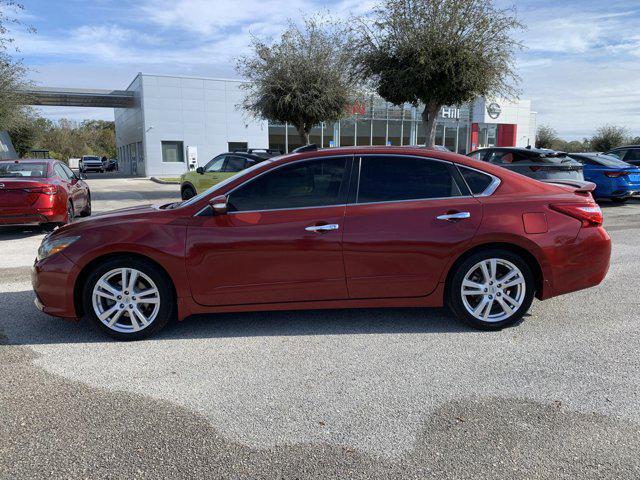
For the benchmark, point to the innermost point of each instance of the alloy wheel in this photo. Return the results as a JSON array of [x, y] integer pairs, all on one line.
[[493, 290], [126, 300]]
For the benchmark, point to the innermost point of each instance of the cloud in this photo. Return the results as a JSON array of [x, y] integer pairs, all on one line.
[[581, 68]]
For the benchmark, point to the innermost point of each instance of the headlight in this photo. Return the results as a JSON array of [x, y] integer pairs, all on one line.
[[49, 246]]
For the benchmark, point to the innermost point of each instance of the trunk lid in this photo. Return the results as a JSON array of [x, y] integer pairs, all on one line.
[[19, 192]]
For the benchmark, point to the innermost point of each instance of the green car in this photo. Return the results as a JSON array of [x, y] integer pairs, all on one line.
[[220, 168]]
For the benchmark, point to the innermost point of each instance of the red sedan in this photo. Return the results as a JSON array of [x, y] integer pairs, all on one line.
[[41, 192], [337, 228]]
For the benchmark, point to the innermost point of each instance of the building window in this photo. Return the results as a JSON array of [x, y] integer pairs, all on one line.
[[173, 152], [238, 146]]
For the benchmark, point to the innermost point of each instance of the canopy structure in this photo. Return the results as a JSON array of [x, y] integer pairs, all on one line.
[[80, 97]]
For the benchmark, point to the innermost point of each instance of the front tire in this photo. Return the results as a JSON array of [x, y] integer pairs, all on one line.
[[188, 192], [87, 210], [70, 212], [619, 200], [491, 289], [128, 298]]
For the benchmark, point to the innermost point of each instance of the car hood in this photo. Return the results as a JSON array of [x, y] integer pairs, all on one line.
[[114, 216]]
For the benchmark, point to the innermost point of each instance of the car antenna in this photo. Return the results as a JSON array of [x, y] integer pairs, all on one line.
[[312, 147]]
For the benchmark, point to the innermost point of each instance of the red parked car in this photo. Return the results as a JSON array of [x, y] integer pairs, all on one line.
[[41, 192], [337, 228]]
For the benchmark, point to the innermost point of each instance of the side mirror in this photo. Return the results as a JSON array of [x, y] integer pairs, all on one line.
[[200, 170], [219, 205]]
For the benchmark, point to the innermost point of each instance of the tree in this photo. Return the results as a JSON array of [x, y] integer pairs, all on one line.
[[546, 137], [304, 78], [12, 102], [439, 52], [12, 72], [608, 137]]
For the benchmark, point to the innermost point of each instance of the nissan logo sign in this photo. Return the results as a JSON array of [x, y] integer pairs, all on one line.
[[1, 185], [494, 110]]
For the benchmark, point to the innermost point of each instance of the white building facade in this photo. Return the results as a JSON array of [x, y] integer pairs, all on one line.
[[177, 121], [177, 116]]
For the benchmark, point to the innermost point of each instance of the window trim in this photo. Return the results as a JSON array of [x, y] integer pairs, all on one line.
[[490, 190]]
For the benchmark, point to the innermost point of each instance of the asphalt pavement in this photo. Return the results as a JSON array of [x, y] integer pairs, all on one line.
[[396, 393]]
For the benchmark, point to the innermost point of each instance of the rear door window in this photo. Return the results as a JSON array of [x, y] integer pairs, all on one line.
[[389, 178], [312, 183], [234, 164]]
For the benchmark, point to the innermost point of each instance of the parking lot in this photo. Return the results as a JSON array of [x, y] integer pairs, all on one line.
[[393, 393]]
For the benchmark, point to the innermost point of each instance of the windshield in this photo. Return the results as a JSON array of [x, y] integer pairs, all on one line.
[[217, 186], [609, 161], [97, 159], [23, 170]]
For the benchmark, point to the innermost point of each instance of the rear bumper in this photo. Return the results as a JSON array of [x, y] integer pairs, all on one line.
[[583, 264], [31, 216], [53, 281]]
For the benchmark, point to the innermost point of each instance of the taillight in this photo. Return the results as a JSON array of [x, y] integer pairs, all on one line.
[[616, 174], [46, 190], [589, 214]]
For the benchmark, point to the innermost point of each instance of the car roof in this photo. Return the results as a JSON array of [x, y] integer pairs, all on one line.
[[253, 156], [530, 151], [391, 150], [624, 148]]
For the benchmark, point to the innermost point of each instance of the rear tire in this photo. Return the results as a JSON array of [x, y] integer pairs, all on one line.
[[134, 319], [491, 289], [188, 192]]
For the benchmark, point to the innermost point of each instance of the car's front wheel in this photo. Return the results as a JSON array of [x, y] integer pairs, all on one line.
[[128, 298], [87, 209], [491, 289], [188, 192]]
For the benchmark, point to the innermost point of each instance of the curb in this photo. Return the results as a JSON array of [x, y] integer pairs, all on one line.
[[162, 181]]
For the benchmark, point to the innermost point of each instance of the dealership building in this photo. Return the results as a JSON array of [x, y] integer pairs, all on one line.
[[166, 123]]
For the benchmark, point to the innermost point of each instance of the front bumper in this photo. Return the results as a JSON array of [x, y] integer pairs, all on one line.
[[53, 281]]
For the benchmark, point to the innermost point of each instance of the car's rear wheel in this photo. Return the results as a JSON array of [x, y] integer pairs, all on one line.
[[491, 289], [128, 298], [188, 192], [87, 209]]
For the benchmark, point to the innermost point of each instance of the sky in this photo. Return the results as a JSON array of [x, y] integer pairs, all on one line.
[[580, 68]]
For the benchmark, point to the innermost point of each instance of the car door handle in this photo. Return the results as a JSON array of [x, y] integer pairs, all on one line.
[[323, 228], [454, 216]]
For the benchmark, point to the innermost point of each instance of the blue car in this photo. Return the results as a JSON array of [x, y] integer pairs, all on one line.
[[615, 179]]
